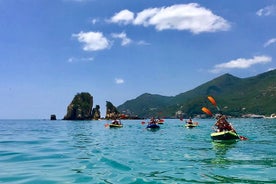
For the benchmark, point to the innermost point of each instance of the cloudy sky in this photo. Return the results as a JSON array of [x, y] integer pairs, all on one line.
[[118, 50]]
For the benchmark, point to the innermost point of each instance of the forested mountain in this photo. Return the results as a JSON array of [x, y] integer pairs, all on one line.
[[235, 96]]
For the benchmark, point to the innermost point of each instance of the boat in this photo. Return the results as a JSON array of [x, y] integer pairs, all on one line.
[[227, 136], [112, 125], [160, 121], [153, 126], [116, 124], [191, 125]]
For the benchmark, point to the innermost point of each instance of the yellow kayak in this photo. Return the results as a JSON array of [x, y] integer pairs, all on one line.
[[191, 125], [224, 136], [115, 125]]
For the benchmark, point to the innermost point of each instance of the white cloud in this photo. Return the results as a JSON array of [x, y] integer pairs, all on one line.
[[123, 36], [142, 42], [241, 63], [267, 11], [94, 21], [119, 81], [269, 42], [93, 41], [144, 17], [190, 17], [124, 17], [74, 59]]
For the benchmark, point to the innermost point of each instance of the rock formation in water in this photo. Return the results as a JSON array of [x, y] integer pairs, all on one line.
[[80, 108], [111, 111], [53, 117], [96, 114]]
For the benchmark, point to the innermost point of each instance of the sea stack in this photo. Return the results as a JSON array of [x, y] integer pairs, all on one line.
[[111, 111], [96, 114], [80, 108], [53, 117]]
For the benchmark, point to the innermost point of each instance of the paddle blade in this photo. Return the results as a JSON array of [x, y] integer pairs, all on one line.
[[207, 111], [143, 122], [212, 100], [106, 125]]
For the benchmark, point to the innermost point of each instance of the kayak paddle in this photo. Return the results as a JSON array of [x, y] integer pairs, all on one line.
[[207, 111], [212, 100]]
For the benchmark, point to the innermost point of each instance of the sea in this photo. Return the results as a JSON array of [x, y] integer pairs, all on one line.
[[57, 152]]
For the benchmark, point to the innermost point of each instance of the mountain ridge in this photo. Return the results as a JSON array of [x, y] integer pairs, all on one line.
[[239, 96]]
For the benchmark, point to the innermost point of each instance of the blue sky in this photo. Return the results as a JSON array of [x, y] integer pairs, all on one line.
[[118, 50]]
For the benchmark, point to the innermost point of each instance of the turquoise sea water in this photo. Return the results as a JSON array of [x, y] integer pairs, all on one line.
[[42, 151]]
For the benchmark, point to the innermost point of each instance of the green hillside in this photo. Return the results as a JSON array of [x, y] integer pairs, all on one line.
[[235, 96], [145, 105]]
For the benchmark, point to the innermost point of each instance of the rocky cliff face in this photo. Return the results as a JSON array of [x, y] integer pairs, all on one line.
[[80, 108], [111, 111], [96, 114], [53, 117]]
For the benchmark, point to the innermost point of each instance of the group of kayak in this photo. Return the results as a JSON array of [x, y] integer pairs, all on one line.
[[223, 130], [153, 124]]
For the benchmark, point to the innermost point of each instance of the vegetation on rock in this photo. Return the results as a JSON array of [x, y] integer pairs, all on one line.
[[80, 108], [96, 114], [235, 96], [111, 111]]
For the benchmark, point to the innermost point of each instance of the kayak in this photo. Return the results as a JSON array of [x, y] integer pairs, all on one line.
[[160, 121], [188, 125], [153, 126], [115, 125], [224, 136]]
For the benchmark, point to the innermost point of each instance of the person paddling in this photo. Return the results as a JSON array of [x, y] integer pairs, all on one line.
[[223, 125], [152, 121], [116, 122], [190, 121]]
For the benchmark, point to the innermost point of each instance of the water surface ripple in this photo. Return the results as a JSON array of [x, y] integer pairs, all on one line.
[[42, 151]]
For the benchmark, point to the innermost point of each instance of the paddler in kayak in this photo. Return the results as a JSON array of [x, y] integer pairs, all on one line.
[[223, 125], [190, 121], [116, 122], [152, 121]]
